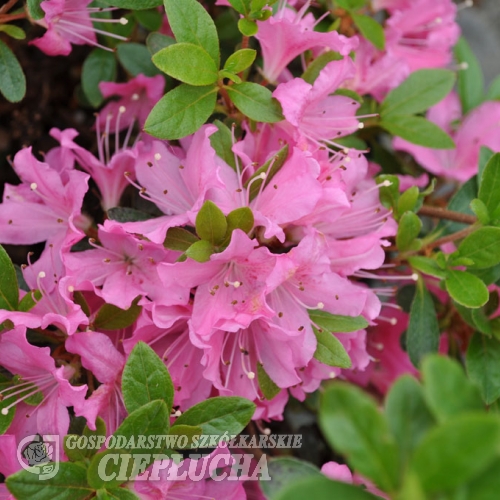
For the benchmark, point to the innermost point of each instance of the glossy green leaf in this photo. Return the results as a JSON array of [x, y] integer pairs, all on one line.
[[466, 289], [407, 414], [133, 4], [9, 289], [179, 239], [334, 323], [421, 90], [457, 451], [417, 130], [219, 415], [256, 102], [70, 483], [222, 143], [191, 23], [99, 66], [76, 453], [470, 80], [200, 251], [240, 218], [352, 424], [145, 378], [241, 6], [247, 27], [314, 69], [34, 9], [157, 41], [408, 200], [127, 214], [480, 210], [6, 420], [483, 366], [136, 59], [29, 300], [13, 31], [322, 488], [427, 266], [200, 70], [240, 60], [267, 385], [12, 79], [408, 230], [371, 29], [330, 351], [447, 390], [485, 155], [211, 223], [181, 112], [110, 317], [489, 189], [151, 19], [483, 247], [423, 330], [350, 4]]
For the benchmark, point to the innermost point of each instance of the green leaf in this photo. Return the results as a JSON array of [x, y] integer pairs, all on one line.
[[447, 390], [34, 9], [466, 289], [270, 169], [211, 224], [152, 419], [99, 66], [29, 300], [151, 19], [240, 60], [240, 218], [181, 112], [110, 317], [76, 453], [12, 80], [389, 192], [157, 41], [9, 289], [13, 31], [483, 247], [191, 23], [133, 4], [127, 214], [408, 200], [456, 452], [470, 80], [267, 386], [408, 229], [417, 130], [247, 27], [334, 323], [200, 251], [330, 351], [145, 378], [136, 59], [427, 266], [116, 494], [421, 90], [354, 427], [256, 102], [350, 4], [370, 29], [219, 415], [179, 239], [283, 471], [222, 143], [6, 420], [314, 69], [201, 69], [241, 6], [485, 155], [70, 483], [190, 432], [322, 488], [486, 485], [480, 210], [493, 93], [483, 366], [227, 74], [489, 189], [408, 416], [423, 329]]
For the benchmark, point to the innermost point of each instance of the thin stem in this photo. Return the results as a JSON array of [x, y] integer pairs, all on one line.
[[442, 213], [225, 97], [8, 18], [451, 237], [5, 8]]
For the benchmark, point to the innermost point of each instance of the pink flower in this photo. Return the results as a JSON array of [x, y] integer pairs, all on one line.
[[119, 270], [288, 34], [177, 184], [137, 96], [480, 127], [99, 355], [38, 374], [46, 206], [69, 22], [316, 114], [423, 34]]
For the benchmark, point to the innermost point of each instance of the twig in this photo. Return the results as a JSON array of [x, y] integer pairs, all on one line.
[[451, 237], [442, 213]]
